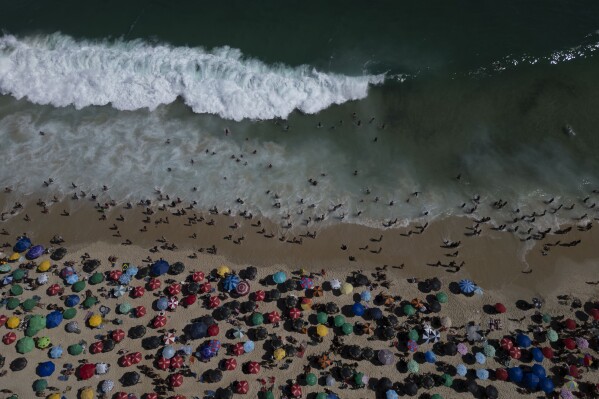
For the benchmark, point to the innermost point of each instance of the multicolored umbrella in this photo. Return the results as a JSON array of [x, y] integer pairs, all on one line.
[[243, 288], [412, 345], [306, 283]]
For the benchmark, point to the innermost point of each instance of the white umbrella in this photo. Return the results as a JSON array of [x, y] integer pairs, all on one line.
[[101, 368], [238, 333], [107, 386], [335, 284], [42, 278], [330, 381], [472, 333], [119, 291]]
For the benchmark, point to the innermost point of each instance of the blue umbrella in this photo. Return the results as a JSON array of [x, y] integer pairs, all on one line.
[[230, 282], [72, 279], [430, 357], [162, 303], [131, 271], [546, 385], [124, 279], [186, 349], [516, 374], [523, 341], [375, 313], [482, 374], [358, 309], [391, 394], [467, 286], [159, 268], [537, 354], [22, 244], [54, 319], [214, 345], [480, 358], [45, 369], [332, 396], [531, 381], [248, 346], [72, 300], [461, 370], [206, 353], [55, 352], [168, 351], [539, 371], [35, 252], [279, 277], [366, 296]]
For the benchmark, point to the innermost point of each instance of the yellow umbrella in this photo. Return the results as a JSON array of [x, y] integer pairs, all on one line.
[[322, 330], [54, 396], [223, 271], [14, 256], [306, 304], [13, 322], [347, 288], [86, 393], [44, 266], [279, 354], [95, 321]]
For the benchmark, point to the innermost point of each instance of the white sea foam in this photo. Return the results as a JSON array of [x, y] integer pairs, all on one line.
[[59, 70]]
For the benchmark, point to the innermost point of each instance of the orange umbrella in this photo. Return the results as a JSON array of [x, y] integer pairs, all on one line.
[[317, 292], [324, 361], [367, 328]]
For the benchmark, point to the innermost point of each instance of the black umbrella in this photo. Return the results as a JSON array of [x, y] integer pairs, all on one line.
[[248, 306], [450, 349], [427, 382], [435, 284], [474, 388], [223, 312], [291, 301], [234, 305], [107, 345], [331, 307], [273, 295], [260, 333], [224, 393], [360, 280], [143, 272], [90, 265], [491, 392], [388, 333], [298, 324], [384, 384], [197, 330], [215, 375], [435, 306], [290, 285], [390, 320], [58, 254], [346, 372], [290, 349], [354, 352], [137, 332], [276, 343], [151, 342], [130, 378], [250, 273], [192, 288], [367, 353], [410, 388], [176, 268], [18, 364]]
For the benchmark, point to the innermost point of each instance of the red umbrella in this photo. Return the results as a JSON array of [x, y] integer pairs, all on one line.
[[230, 364], [238, 349], [175, 380], [140, 311], [54, 289], [259, 296], [118, 335], [295, 313], [243, 288], [86, 371], [570, 324], [138, 292], [253, 367], [506, 344], [501, 374], [569, 343], [296, 390], [174, 289], [595, 314], [96, 347], [9, 338], [152, 395], [159, 321], [515, 352], [121, 395], [205, 288], [500, 308], [125, 361], [153, 284], [115, 274], [573, 371], [189, 299], [172, 303], [135, 357], [177, 361], [274, 317], [214, 302], [196, 277], [163, 363], [242, 387], [213, 330], [547, 352], [4, 318]]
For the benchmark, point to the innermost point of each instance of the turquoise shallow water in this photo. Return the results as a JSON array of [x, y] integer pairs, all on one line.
[[480, 90]]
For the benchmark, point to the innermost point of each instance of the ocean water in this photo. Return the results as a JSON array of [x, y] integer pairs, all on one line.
[[266, 97]]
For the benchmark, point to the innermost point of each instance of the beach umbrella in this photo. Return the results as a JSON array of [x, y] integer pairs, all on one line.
[[295, 313], [461, 370], [331, 308], [467, 286], [152, 342], [130, 378], [515, 353], [322, 317], [238, 349], [430, 357], [242, 387], [78, 286], [537, 354], [441, 297], [12, 303], [552, 335], [162, 303], [96, 278], [339, 320], [413, 366], [354, 352], [72, 279], [248, 346], [366, 296], [322, 330], [253, 367], [480, 358], [489, 350], [311, 379], [482, 374], [137, 332], [412, 345], [189, 300], [159, 268], [374, 313], [411, 388], [386, 357], [54, 319], [115, 275], [279, 277], [40, 385], [335, 284], [54, 289], [169, 338], [168, 352], [173, 302], [153, 284], [86, 371], [119, 291], [306, 303], [431, 335], [523, 341], [89, 302], [163, 363], [595, 314], [18, 364], [13, 322], [259, 295], [213, 302], [447, 380], [96, 347], [346, 288], [43, 342], [516, 374], [546, 385], [388, 333], [125, 361], [138, 292], [174, 289], [117, 335], [243, 288], [539, 371], [306, 283], [95, 321], [569, 343], [409, 310], [296, 390], [506, 344], [213, 330], [501, 374], [75, 349], [72, 327], [42, 278], [436, 396], [230, 364], [500, 308], [582, 343], [34, 252], [176, 268], [108, 345], [135, 357], [531, 381], [330, 381], [347, 328], [290, 285], [107, 386], [205, 288], [257, 319], [274, 317], [230, 282], [159, 321], [472, 332], [9, 338], [124, 308], [72, 300], [45, 369], [570, 324], [22, 244], [197, 276], [25, 345], [16, 290]]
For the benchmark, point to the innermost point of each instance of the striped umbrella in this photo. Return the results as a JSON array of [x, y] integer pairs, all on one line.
[[467, 286], [243, 288]]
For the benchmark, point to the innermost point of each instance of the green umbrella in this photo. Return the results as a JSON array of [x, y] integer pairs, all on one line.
[[257, 319], [12, 303], [413, 335], [311, 379], [25, 345], [29, 304], [546, 318], [96, 278], [5, 268], [489, 350], [43, 342], [89, 302], [124, 307], [18, 274], [40, 385], [413, 366], [322, 318], [75, 349], [436, 396], [358, 378], [552, 335], [409, 310], [16, 290], [69, 313], [347, 328], [267, 395], [442, 297], [36, 324], [339, 320], [78, 286], [447, 380], [321, 395]]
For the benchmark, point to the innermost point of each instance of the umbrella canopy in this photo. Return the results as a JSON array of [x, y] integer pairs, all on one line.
[[306, 283], [243, 288], [25, 345], [9, 338], [159, 268], [253, 367], [413, 366], [230, 282], [296, 390], [242, 387], [86, 371], [431, 335], [346, 288], [40, 385], [159, 321], [279, 277], [386, 357], [45, 369], [467, 286], [75, 349], [523, 341], [230, 364], [107, 386], [96, 347], [54, 319]]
